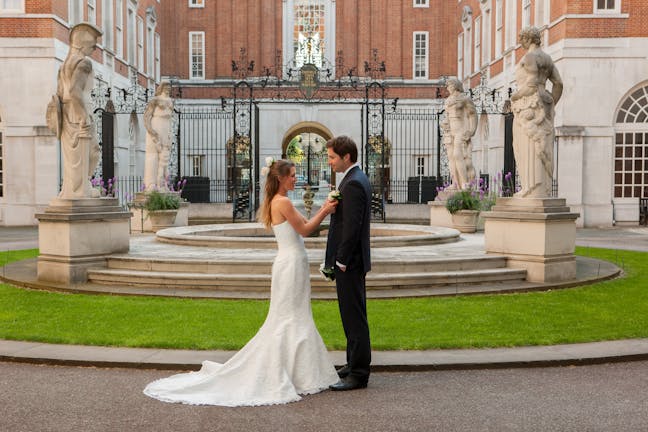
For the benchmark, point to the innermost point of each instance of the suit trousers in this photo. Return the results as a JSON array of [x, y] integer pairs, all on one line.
[[352, 300]]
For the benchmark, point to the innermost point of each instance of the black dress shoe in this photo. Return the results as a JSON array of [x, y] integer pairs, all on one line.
[[348, 383], [344, 371]]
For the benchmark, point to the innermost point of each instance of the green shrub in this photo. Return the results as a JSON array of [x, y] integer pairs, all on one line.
[[161, 201], [462, 200]]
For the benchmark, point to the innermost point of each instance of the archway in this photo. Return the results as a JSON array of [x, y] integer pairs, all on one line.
[[305, 145]]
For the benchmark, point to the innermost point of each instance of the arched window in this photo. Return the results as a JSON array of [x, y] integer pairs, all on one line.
[[631, 146], [309, 31]]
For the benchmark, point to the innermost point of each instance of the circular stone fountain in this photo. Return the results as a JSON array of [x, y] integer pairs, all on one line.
[[256, 236]]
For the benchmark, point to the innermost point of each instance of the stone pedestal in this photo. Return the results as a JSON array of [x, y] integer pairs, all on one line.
[[439, 214], [537, 234], [140, 222], [77, 234]]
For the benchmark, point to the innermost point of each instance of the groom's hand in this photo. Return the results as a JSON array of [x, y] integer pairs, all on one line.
[[341, 266]]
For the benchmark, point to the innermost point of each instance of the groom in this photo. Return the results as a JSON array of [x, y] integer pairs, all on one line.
[[347, 251]]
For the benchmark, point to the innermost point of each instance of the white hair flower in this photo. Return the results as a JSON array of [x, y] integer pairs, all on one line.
[[266, 169]]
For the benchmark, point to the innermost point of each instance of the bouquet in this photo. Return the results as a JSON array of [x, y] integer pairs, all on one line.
[[327, 272]]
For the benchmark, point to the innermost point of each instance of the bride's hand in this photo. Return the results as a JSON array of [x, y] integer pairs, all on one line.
[[329, 206]]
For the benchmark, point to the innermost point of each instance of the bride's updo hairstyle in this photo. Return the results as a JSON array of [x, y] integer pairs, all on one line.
[[279, 168]]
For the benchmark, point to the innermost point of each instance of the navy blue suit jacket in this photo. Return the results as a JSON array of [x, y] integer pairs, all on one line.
[[348, 236]]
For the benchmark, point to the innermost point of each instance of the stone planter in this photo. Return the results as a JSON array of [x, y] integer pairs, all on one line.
[[465, 220], [162, 219]]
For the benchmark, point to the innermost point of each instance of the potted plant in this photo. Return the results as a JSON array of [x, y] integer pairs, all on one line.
[[161, 208], [464, 207]]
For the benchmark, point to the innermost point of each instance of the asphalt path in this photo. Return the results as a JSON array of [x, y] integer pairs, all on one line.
[[608, 397]]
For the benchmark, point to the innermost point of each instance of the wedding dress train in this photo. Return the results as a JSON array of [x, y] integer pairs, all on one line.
[[285, 359]]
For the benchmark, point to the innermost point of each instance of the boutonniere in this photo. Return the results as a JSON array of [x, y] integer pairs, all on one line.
[[327, 272], [334, 195]]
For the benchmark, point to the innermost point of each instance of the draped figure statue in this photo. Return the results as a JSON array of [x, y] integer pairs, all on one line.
[[157, 121], [76, 129], [533, 109], [462, 125]]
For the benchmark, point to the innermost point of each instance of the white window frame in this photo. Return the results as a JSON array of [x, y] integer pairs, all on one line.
[[421, 165], [486, 36], [478, 46], [460, 54], [526, 13], [421, 3], [511, 24], [19, 8], [75, 12], [423, 59], [157, 57], [542, 12], [119, 28], [468, 46], [131, 36], [92, 12], [140, 44], [196, 3], [499, 24], [615, 10], [197, 165], [150, 50], [108, 19], [191, 54]]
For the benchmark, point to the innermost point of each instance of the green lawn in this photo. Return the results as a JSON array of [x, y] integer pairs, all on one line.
[[615, 309]]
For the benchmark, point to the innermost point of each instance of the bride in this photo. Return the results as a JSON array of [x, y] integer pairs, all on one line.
[[287, 357]]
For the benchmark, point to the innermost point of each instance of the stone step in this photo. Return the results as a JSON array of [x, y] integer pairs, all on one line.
[[263, 267], [261, 282]]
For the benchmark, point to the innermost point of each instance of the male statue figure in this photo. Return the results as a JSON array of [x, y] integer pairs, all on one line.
[[462, 124], [157, 121], [78, 138], [533, 107]]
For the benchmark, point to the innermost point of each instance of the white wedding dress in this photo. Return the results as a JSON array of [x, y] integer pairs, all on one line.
[[285, 359]]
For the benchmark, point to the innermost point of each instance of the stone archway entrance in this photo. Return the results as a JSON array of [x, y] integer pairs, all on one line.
[[305, 145]]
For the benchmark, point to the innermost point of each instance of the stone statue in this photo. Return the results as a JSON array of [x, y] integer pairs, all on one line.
[[157, 121], [533, 108], [75, 126], [462, 125]]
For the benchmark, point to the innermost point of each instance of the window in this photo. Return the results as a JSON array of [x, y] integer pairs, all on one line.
[[477, 43], [498, 28], [197, 55], [197, 165], [92, 12], [526, 13], [196, 3], [75, 12], [309, 32], [631, 147], [150, 51], [130, 36], [157, 57], [140, 44], [511, 24], [467, 56], [607, 6], [486, 36], [421, 3], [1, 170], [107, 18], [14, 6], [119, 28], [460, 56], [421, 50], [420, 165]]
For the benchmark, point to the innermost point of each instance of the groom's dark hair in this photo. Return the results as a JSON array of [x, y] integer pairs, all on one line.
[[343, 145]]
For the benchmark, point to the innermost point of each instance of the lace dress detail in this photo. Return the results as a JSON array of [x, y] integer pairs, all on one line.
[[285, 359]]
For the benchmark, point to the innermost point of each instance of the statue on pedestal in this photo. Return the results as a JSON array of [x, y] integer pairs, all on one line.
[[74, 125], [462, 125], [157, 121], [533, 108]]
